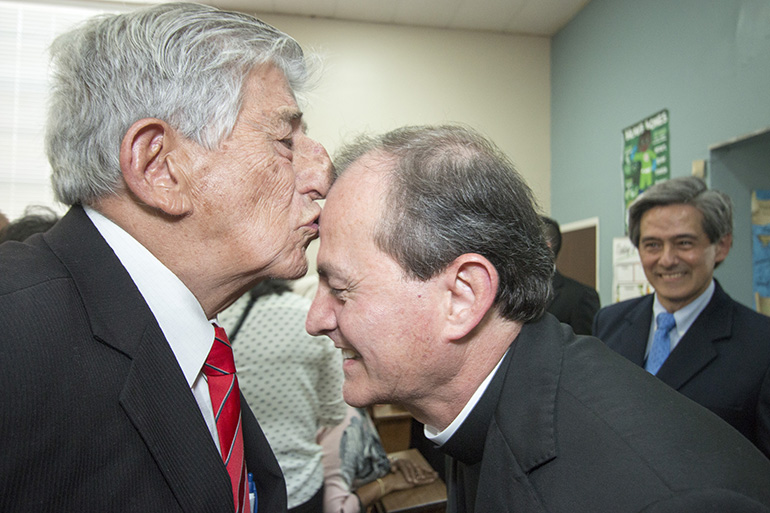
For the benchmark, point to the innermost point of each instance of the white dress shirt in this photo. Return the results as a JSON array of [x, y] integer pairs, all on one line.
[[179, 314], [684, 317]]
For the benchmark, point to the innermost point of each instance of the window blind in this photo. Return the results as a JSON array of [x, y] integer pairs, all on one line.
[[26, 31]]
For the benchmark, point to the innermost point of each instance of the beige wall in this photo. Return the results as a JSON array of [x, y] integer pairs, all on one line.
[[379, 77]]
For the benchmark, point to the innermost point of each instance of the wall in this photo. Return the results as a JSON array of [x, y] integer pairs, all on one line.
[[618, 61], [378, 77]]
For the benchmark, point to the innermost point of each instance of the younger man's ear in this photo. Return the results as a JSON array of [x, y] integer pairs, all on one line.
[[149, 171], [471, 282]]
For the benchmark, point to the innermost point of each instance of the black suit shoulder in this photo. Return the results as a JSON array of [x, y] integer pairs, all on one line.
[[39, 304], [573, 303], [27, 264], [612, 318]]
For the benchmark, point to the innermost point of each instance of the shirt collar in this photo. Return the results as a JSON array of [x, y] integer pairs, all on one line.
[[440, 437], [686, 315], [179, 314]]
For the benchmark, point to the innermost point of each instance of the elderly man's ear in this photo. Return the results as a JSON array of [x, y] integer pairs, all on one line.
[[471, 286], [150, 169]]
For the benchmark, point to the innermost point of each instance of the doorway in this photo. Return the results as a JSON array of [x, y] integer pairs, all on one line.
[[738, 167], [579, 249]]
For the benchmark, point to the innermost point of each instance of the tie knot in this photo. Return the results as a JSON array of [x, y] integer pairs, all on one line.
[[220, 360], [666, 321]]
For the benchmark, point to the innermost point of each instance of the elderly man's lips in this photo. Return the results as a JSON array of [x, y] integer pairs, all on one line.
[[312, 224]]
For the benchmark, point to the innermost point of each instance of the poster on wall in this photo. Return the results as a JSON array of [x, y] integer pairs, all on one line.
[[760, 242], [645, 156], [628, 278]]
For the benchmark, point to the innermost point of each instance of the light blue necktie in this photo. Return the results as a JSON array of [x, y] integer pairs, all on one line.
[[661, 344]]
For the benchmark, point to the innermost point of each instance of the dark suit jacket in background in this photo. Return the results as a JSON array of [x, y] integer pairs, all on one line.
[[576, 428], [574, 303], [722, 362], [96, 413]]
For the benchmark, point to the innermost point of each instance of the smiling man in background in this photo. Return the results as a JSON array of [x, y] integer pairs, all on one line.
[[175, 135], [690, 333]]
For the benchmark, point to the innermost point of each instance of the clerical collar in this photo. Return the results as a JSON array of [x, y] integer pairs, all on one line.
[[465, 441]]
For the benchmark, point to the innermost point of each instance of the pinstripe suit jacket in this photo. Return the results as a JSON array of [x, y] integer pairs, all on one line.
[[96, 413]]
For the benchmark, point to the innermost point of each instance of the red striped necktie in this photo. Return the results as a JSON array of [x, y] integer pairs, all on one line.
[[226, 401]]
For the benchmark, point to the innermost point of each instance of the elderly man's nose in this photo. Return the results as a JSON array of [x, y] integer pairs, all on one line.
[[313, 168]]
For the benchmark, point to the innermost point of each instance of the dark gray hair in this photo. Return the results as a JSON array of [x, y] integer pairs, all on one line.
[[36, 219], [716, 207], [451, 192], [552, 235], [183, 63]]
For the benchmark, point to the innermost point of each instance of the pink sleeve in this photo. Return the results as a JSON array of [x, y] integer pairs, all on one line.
[[338, 497]]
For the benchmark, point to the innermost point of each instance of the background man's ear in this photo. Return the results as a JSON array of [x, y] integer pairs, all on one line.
[[147, 169], [723, 246], [471, 282]]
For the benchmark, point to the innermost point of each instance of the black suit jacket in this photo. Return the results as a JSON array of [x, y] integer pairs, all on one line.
[[577, 428], [573, 303], [722, 362], [96, 412]]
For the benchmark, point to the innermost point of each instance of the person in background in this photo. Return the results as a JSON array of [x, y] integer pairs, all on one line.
[[572, 302], [434, 279], [36, 219], [357, 472], [690, 333], [175, 136], [291, 380]]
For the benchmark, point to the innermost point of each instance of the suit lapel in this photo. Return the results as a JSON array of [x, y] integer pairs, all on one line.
[[522, 434], [159, 403], [156, 396], [632, 341], [518, 494], [696, 349], [261, 462]]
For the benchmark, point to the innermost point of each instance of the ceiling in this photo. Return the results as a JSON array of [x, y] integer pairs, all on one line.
[[531, 17]]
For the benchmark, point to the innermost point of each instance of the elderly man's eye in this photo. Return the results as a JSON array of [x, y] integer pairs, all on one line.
[[288, 142]]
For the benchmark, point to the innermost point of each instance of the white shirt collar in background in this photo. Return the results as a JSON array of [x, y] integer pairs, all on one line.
[[684, 317]]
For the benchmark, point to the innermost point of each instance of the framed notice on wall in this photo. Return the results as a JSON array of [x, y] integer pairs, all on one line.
[[628, 278], [645, 156]]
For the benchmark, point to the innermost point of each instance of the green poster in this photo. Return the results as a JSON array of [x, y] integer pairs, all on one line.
[[645, 155]]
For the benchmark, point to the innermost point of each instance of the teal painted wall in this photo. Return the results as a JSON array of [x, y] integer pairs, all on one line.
[[619, 61]]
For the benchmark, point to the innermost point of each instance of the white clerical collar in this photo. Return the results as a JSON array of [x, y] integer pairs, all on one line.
[[178, 312], [440, 437]]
